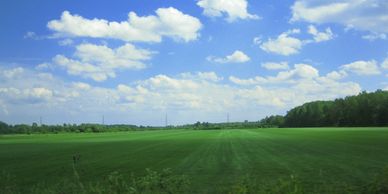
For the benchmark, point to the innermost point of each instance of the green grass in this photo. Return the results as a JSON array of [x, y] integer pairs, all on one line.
[[212, 160]]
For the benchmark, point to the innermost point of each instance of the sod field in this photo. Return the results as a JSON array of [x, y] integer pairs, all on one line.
[[214, 161]]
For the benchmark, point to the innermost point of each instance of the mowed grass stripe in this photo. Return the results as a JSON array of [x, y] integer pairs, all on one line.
[[98, 157], [337, 160], [212, 159]]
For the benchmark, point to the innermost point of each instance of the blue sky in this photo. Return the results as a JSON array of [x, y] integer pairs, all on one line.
[[72, 61]]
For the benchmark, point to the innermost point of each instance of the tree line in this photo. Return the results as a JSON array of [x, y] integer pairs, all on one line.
[[362, 110], [97, 128], [69, 128]]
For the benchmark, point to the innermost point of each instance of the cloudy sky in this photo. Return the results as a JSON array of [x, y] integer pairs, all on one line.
[[134, 61]]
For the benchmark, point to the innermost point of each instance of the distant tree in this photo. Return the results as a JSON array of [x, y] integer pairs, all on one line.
[[4, 127], [365, 109], [272, 121]]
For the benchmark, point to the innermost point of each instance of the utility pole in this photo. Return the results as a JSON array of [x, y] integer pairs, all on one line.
[[227, 117], [40, 120], [103, 120]]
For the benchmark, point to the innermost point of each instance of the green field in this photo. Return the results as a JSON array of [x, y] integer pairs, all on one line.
[[213, 160]]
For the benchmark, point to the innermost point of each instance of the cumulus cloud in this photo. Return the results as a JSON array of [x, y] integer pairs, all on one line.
[[337, 75], [300, 71], [275, 66], [43, 66], [234, 9], [66, 42], [362, 67], [236, 57], [284, 44], [30, 95], [26, 87], [187, 96], [208, 76], [303, 83], [365, 15], [250, 81], [11, 73], [81, 85], [100, 62], [320, 36], [384, 64], [35, 94], [375, 36], [168, 22]]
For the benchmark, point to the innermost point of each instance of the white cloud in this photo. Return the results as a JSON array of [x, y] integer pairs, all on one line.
[[337, 75], [236, 57], [168, 22], [32, 95], [35, 93], [300, 71], [293, 31], [81, 85], [211, 76], [282, 45], [10, 73], [275, 66], [257, 40], [100, 62], [40, 92], [43, 66], [166, 82], [206, 76], [362, 67], [66, 42], [384, 64], [3, 108], [31, 35], [295, 86], [234, 9], [251, 81], [188, 97], [320, 36], [365, 15], [286, 45], [375, 36]]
